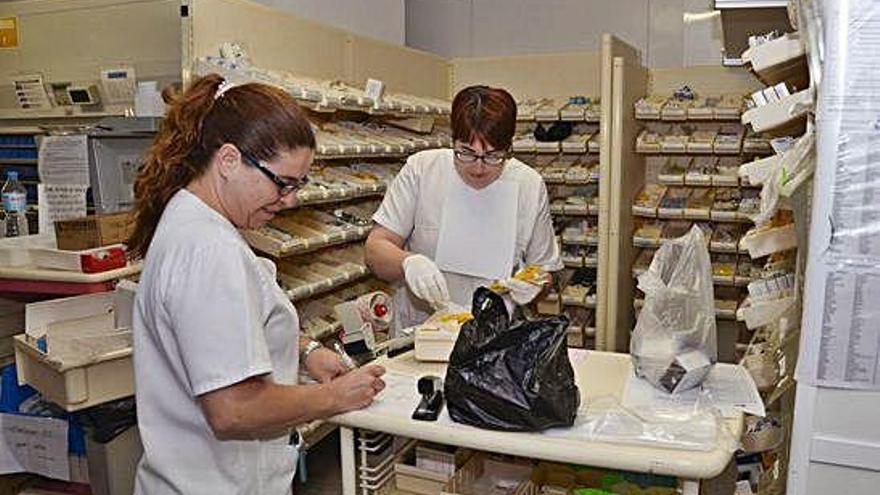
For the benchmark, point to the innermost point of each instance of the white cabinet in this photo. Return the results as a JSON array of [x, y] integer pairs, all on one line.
[[835, 445]]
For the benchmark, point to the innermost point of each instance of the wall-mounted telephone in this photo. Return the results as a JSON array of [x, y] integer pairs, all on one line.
[[119, 84]]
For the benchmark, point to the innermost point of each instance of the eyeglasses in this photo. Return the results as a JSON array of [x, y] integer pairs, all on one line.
[[285, 186], [492, 158]]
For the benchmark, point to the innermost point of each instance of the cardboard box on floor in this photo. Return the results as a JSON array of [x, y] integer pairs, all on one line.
[[94, 231]]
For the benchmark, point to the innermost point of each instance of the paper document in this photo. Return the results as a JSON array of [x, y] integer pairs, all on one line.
[[400, 396], [34, 445], [840, 344], [849, 345], [727, 387], [577, 355], [64, 160], [59, 202]]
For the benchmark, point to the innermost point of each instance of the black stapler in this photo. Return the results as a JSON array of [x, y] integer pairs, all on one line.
[[431, 390]]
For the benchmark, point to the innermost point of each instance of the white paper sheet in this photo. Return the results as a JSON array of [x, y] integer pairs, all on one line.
[[478, 229], [727, 387], [59, 202], [849, 344], [840, 343], [64, 160], [34, 445], [400, 396], [577, 355]]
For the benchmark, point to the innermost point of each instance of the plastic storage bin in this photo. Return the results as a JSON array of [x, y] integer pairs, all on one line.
[[112, 465], [93, 360], [74, 387]]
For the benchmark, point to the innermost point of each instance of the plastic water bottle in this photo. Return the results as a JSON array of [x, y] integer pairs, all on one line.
[[15, 203]]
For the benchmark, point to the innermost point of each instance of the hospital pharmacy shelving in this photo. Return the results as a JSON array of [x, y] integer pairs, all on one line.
[[570, 169], [356, 136]]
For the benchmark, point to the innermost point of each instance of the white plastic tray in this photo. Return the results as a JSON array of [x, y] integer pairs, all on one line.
[[785, 113]]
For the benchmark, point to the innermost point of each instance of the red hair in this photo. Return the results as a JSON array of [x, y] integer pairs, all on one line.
[[258, 119], [486, 114]]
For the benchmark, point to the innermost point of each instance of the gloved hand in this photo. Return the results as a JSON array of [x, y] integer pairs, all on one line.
[[425, 280], [522, 292]]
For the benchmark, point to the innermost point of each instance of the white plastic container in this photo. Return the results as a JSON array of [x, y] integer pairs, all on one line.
[[89, 358], [434, 345]]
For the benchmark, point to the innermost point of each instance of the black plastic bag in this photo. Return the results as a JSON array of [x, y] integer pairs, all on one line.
[[556, 131], [511, 378], [105, 422]]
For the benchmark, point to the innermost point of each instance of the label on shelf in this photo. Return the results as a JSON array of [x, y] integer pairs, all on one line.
[[670, 212], [644, 211]]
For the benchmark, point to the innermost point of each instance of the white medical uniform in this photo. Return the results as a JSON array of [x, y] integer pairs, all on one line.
[[413, 208], [208, 314]]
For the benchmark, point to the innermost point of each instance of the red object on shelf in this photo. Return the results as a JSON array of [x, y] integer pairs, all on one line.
[[104, 260], [58, 288], [380, 310]]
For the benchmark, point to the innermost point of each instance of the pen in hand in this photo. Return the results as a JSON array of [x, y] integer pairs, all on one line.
[[346, 359]]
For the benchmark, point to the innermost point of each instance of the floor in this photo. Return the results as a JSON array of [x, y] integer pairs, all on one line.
[[323, 469]]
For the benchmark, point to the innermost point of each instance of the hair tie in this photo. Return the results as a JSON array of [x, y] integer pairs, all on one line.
[[224, 87]]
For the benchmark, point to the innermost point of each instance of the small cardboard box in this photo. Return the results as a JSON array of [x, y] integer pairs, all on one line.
[[94, 231]]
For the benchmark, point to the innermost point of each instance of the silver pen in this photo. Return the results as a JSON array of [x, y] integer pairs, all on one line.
[[346, 359]]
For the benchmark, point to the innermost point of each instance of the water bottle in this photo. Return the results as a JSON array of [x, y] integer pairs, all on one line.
[[15, 203]]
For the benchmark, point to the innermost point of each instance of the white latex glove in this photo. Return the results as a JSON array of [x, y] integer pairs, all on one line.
[[521, 292], [425, 280]]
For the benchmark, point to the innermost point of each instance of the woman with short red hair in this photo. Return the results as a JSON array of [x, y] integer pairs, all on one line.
[[454, 220]]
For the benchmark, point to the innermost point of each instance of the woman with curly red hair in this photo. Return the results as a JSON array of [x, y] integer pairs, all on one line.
[[217, 347]]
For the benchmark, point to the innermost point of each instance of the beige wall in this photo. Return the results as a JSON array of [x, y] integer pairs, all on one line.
[[288, 41], [669, 33], [72, 40], [379, 19]]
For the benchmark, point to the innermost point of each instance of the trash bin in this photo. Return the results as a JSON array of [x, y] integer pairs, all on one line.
[[113, 446]]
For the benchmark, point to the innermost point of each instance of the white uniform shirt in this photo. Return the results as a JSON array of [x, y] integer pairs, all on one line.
[[208, 314], [413, 208]]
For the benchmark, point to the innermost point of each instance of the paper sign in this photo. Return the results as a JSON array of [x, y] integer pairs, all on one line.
[[8, 32], [34, 445], [59, 202], [64, 160]]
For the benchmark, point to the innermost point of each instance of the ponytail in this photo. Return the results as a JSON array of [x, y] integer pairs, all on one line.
[[256, 118]]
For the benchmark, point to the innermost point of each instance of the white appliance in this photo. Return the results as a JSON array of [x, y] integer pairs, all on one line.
[[116, 150]]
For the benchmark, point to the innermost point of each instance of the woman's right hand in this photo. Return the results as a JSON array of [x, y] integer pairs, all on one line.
[[357, 388], [425, 280]]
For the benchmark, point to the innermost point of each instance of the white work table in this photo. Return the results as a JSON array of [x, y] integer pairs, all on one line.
[[597, 374]]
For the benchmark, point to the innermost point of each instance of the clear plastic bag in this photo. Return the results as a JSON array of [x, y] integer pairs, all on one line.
[[701, 428], [781, 177], [674, 344]]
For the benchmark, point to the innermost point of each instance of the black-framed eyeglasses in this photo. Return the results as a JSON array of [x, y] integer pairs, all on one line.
[[492, 158], [285, 186]]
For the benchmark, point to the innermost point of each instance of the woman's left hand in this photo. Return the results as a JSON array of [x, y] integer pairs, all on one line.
[[325, 365]]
